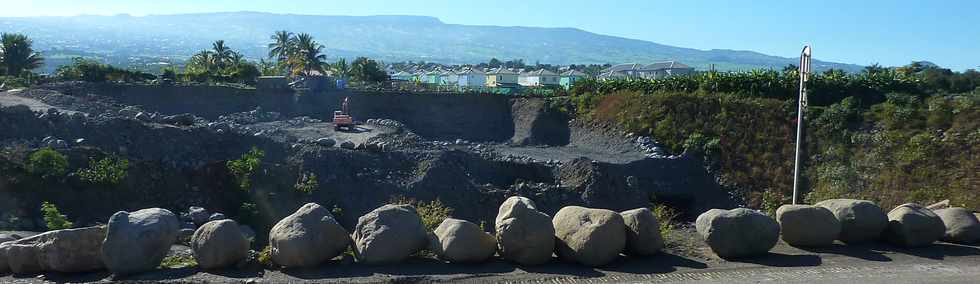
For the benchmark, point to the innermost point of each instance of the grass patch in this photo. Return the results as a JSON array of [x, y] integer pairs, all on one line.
[[178, 261], [107, 171]]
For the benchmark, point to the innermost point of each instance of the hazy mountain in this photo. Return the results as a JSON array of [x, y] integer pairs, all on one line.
[[390, 38]]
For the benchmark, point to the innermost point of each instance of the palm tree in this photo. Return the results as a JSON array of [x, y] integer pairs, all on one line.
[[309, 55], [203, 61], [222, 54], [341, 69], [17, 55], [281, 46]]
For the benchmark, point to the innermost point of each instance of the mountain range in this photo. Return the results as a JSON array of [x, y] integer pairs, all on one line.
[[175, 37]]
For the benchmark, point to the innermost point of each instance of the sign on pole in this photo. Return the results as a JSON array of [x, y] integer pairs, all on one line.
[[804, 77]]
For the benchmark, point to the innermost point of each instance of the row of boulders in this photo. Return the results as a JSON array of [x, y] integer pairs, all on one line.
[[743, 232]]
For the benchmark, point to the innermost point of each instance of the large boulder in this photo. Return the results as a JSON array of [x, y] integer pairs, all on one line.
[[219, 244], [524, 235], [642, 232], [738, 232], [860, 220], [807, 225], [592, 237], [307, 237], [461, 241], [21, 258], [137, 242], [911, 225], [389, 234], [69, 250], [962, 226]]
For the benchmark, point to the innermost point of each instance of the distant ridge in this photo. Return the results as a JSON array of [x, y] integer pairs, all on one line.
[[390, 38]]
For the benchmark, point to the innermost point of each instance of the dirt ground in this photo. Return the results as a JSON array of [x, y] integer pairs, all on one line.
[[687, 260]]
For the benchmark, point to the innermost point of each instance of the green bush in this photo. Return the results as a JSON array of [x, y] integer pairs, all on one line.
[[47, 163], [53, 218], [107, 171], [307, 183], [667, 218], [432, 213], [178, 261], [243, 168]]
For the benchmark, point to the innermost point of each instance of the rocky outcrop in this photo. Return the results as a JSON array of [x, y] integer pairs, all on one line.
[[219, 244], [592, 237], [860, 220], [807, 225], [738, 232], [389, 234], [21, 258], [138, 241], [962, 226], [524, 235], [461, 241], [642, 232], [307, 237], [911, 225]]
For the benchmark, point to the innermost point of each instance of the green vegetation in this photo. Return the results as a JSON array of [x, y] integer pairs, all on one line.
[[243, 168], [297, 54], [667, 218], [892, 136], [53, 218], [107, 171], [432, 213], [265, 256], [307, 183], [221, 64], [17, 55], [89, 70], [367, 70], [178, 261], [47, 163]]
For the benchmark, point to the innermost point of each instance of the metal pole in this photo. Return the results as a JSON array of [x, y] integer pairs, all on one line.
[[804, 77]]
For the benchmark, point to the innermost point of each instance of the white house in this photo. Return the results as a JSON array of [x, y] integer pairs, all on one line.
[[471, 77], [541, 77]]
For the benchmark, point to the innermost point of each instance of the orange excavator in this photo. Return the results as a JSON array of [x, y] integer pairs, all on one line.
[[342, 118]]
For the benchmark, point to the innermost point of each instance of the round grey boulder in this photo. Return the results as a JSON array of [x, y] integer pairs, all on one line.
[[524, 235], [807, 225], [461, 241], [592, 237], [738, 232], [860, 220], [389, 234], [138, 241], [911, 225], [642, 232], [307, 238], [219, 244], [962, 227]]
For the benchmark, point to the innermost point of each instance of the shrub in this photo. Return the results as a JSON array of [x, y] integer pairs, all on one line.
[[47, 163], [53, 218], [667, 218], [107, 171], [307, 183], [432, 213], [243, 168], [265, 256], [178, 261]]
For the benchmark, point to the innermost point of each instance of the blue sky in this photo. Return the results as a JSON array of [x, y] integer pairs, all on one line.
[[855, 31]]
